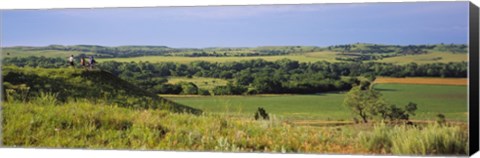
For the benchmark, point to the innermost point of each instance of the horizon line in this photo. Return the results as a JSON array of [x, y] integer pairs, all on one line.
[[231, 46]]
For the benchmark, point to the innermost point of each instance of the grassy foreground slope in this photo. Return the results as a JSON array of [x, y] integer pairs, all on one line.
[[101, 126], [67, 84]]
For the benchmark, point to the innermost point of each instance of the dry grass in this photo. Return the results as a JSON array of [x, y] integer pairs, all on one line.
[[424, 80]]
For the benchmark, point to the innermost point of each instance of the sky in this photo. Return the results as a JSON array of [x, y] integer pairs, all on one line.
[[241, 26]]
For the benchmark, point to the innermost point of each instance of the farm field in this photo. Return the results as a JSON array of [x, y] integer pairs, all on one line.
[[423, 80], [432, 57], [431, 99]]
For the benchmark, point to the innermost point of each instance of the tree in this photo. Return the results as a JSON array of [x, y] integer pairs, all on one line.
[[369, 103], [364, 103]]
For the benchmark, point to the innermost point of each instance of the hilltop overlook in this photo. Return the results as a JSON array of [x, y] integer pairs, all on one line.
[[72, 84]]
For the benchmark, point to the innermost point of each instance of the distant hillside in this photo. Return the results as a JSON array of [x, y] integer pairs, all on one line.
[[135, 51], [366, 51], [347, 52], [94, 85]]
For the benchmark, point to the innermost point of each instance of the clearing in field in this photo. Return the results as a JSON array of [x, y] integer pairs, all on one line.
[[423, 80], [432, 57]]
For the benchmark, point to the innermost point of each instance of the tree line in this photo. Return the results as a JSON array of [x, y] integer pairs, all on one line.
[[256, 76]]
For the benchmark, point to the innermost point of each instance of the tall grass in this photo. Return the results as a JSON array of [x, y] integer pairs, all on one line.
[[84, 124], [431, 139], [46, 98]]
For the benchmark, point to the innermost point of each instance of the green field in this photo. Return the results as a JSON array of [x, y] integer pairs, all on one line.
[[433, 57], [431, 100]]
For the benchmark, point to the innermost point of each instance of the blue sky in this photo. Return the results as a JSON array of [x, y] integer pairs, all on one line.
[[241, 26]]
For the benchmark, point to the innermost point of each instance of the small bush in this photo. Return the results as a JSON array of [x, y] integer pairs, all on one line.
[[441, 119], [261, 114]]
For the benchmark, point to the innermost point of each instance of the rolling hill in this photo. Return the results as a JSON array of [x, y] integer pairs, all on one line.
[[76, 84]]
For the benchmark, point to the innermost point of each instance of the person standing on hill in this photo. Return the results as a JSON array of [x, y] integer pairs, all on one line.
[[82, 62], [92, 62], [71, 61]]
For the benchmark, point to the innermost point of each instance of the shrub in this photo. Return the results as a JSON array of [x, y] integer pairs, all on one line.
[[261, 114], [441, 119]]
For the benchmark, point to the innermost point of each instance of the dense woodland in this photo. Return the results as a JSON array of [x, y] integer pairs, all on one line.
[[256, 76]]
